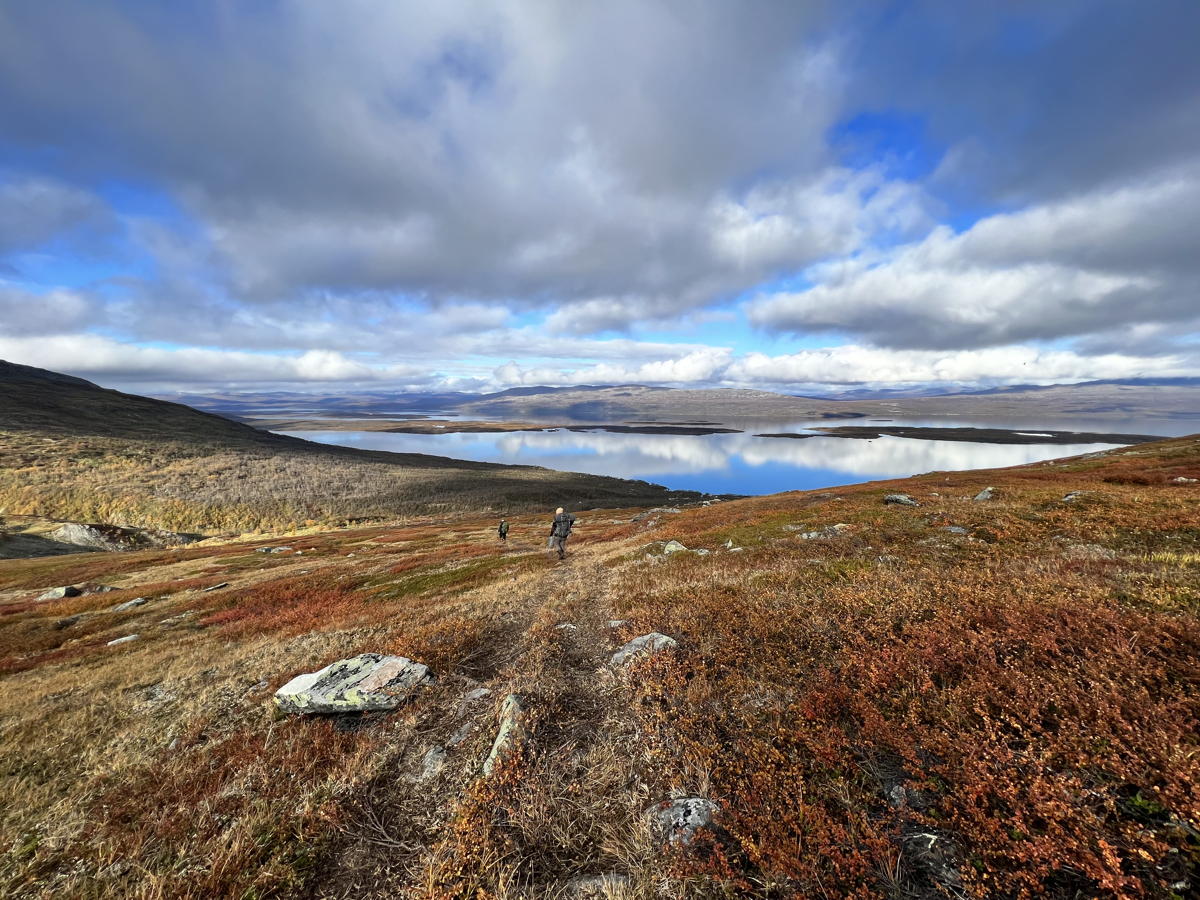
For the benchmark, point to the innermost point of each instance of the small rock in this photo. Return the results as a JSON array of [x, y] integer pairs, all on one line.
[[736, 550], [66, 623], [673, 547], [255, 688], [123, 640], [955, 529], [369, 682], [59, 592], [511, 736], [1074, 495], [900, 500], [728, 545], [566, 626], [678, 821], [434, 762], [701, 552], [647, 644], [130, 604], [216, 587], [463, 732], [986, 494], [617, 623], [1181, 479], [476, 694]]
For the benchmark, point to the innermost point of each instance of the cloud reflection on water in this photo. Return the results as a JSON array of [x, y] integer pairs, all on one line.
[[718, 463]]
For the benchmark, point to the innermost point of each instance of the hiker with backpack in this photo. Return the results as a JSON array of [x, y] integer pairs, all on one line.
[[560, 530], [503, 530]]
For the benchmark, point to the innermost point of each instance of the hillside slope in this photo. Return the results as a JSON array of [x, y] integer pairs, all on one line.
[[981, 698], [72, 450]]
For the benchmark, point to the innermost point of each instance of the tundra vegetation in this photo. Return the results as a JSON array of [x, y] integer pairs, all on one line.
[[970, 698]]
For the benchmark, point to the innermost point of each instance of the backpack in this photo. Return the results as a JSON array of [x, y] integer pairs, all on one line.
[[563, 525]]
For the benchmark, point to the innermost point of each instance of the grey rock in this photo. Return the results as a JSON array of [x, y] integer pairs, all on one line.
[[701, 552], [1182, 479], [955, 529], [510, 737], [216, 587], [59, 592], [115, 538], [678, 821], [567, 626], [369, 682], [617, 623], [1074, 495], [900, 500], [433, 763], [829, 531], [646, 645], [463, 732], [986, 494], [130, 604], [123, 640], [476, 694], [673, 547]]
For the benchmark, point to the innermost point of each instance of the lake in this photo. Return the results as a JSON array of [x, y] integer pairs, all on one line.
[[734, 463]]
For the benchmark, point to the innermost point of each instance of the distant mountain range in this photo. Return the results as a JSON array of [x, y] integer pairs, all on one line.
[[1115, 400]]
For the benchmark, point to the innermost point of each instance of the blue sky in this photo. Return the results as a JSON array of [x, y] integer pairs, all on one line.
[[468, 195]]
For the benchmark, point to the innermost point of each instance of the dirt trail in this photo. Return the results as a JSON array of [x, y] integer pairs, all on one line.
[[574, 811]]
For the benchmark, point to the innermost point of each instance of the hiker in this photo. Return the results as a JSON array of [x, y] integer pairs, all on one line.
[[560, 530], [503, 531]]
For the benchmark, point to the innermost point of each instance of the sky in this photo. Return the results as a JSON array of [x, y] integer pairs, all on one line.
[[304, 195]]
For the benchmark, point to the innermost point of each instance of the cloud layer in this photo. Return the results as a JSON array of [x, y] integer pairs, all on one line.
[[663, 192]]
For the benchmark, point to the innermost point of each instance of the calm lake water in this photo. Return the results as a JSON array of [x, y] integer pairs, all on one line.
[[732, 463]]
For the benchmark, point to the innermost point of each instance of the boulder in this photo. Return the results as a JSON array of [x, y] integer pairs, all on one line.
[[673, 547], [369, 682], [900, 500], [58, 593], [986, 494], [678, 821], [510, 737], [646, 645]]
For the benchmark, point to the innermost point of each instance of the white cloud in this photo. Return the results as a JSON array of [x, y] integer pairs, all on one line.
[[1111, 258]]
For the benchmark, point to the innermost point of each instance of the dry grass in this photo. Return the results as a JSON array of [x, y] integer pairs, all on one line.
[[1026, 693]]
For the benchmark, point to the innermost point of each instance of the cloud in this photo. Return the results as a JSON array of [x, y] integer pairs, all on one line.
[[24, 312], [35, 210], [1081, 265]]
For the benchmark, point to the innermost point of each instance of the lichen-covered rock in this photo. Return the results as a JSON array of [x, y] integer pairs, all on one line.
[[678, 821], [67, 590], [511, 735], [986, 494], [116, 538], [369, 682], [647, 644], [673, 547], [900, 500]]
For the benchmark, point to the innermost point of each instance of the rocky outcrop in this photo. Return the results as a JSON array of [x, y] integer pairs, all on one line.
[[678, 821], [115, 538], [829, 531], [510, 737], [646, 645], [900, 500], [370, 682]]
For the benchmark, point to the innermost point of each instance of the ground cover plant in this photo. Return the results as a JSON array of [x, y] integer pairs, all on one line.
[[966, 698]]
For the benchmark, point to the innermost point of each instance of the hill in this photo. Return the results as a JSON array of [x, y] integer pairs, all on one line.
[[72, 450], [993, 697]]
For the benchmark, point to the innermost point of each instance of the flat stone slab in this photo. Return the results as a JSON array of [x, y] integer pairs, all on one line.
[[58, 593], [646, 645], [370, 682]]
